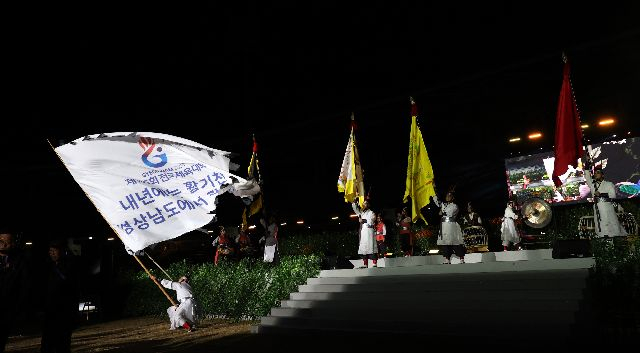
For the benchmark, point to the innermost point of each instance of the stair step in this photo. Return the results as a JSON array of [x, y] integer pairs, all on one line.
[[461, 304], [427, 296], [459, 326]]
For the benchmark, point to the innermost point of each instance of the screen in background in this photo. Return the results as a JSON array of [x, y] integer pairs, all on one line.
[[530, 176]]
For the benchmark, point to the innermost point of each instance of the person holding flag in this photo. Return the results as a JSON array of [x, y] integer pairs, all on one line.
[[183, 315], [569, 149], [367, 245], [151, 187]]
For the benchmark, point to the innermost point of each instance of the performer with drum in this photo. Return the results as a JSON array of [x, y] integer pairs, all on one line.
[[225, 247], [450, 238], [244, 243], [474, 233], [606, 219]]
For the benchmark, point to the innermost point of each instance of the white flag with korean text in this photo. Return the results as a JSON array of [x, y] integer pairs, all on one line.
[[151, 187]]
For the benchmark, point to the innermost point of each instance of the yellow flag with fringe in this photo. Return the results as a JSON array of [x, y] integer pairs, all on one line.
[[350, 181], [420, 186]]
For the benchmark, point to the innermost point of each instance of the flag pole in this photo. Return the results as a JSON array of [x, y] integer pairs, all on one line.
[[162, 269], [116, 233]]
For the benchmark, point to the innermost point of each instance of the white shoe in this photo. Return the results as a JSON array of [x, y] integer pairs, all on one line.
[[462, 261]]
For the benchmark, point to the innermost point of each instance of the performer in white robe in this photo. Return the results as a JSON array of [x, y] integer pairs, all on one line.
[[605, 216], [450, 238], [184, 315], [367, 248], [509, 233], [270, 240]]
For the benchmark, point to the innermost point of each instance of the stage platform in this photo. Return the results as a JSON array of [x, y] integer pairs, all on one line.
[[519, 255], [526, 290]]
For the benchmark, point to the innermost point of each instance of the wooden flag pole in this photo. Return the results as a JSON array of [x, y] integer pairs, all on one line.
[[116, 233]]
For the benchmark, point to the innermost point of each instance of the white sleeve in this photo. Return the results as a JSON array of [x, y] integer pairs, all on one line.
[[356, 209], [436, 200], [589, 179], [215, 241], [384, 229], [167, 284], [479, 220]]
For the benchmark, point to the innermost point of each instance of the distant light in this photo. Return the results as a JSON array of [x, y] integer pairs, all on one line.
[[283, 224], [584, 126], [515, 139], [309, 227], [336, 217], [606, 122], [28, 243], [111, 238], [534, 136], [614, 135], [353, 215], [629, 133], [90, 238], [434, 251], [209, 231], [300, 222], [339, 223], [252, 227], [540, 147]]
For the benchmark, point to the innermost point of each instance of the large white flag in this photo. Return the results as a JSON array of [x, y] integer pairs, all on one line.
[[151, 187]]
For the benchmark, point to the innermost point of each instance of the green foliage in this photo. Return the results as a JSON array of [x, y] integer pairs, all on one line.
[[246, 289], [322, 243], [425, 238]]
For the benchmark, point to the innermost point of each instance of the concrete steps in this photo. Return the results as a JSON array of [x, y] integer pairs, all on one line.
[[470, 299]]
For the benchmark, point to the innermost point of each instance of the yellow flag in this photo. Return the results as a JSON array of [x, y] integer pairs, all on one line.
[[419, 171], [350, 181]]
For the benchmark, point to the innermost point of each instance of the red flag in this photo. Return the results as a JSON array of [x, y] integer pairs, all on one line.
[[568, 143]]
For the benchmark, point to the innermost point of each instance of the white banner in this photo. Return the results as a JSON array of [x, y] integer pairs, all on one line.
[[150, 187]]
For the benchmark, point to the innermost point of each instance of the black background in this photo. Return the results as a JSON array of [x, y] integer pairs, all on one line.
[[292, 74]]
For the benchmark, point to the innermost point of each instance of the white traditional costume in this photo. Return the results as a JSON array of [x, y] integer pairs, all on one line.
[[450, 238], [368, 246], [509, 233], [605, 216], [186, 310]]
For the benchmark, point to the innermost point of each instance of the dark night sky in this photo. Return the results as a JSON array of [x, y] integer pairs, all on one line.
[[291, 74]]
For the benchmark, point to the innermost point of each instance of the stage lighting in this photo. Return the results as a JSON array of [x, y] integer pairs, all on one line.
[[515, 139], [353, 215], [434, 251], [283, 224], [535, 135], [334, 218], [584, 126], [252, 227], [605, 122], [300, 222], [111, 238]]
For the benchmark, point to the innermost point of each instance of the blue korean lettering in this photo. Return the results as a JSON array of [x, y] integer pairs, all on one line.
[[130, 203], [171, 210], [192, 186], [142, 224], [145, 195], [157, 218]]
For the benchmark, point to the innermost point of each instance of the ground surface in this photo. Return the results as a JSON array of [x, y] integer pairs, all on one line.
[[147, 334], [151, 334]]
